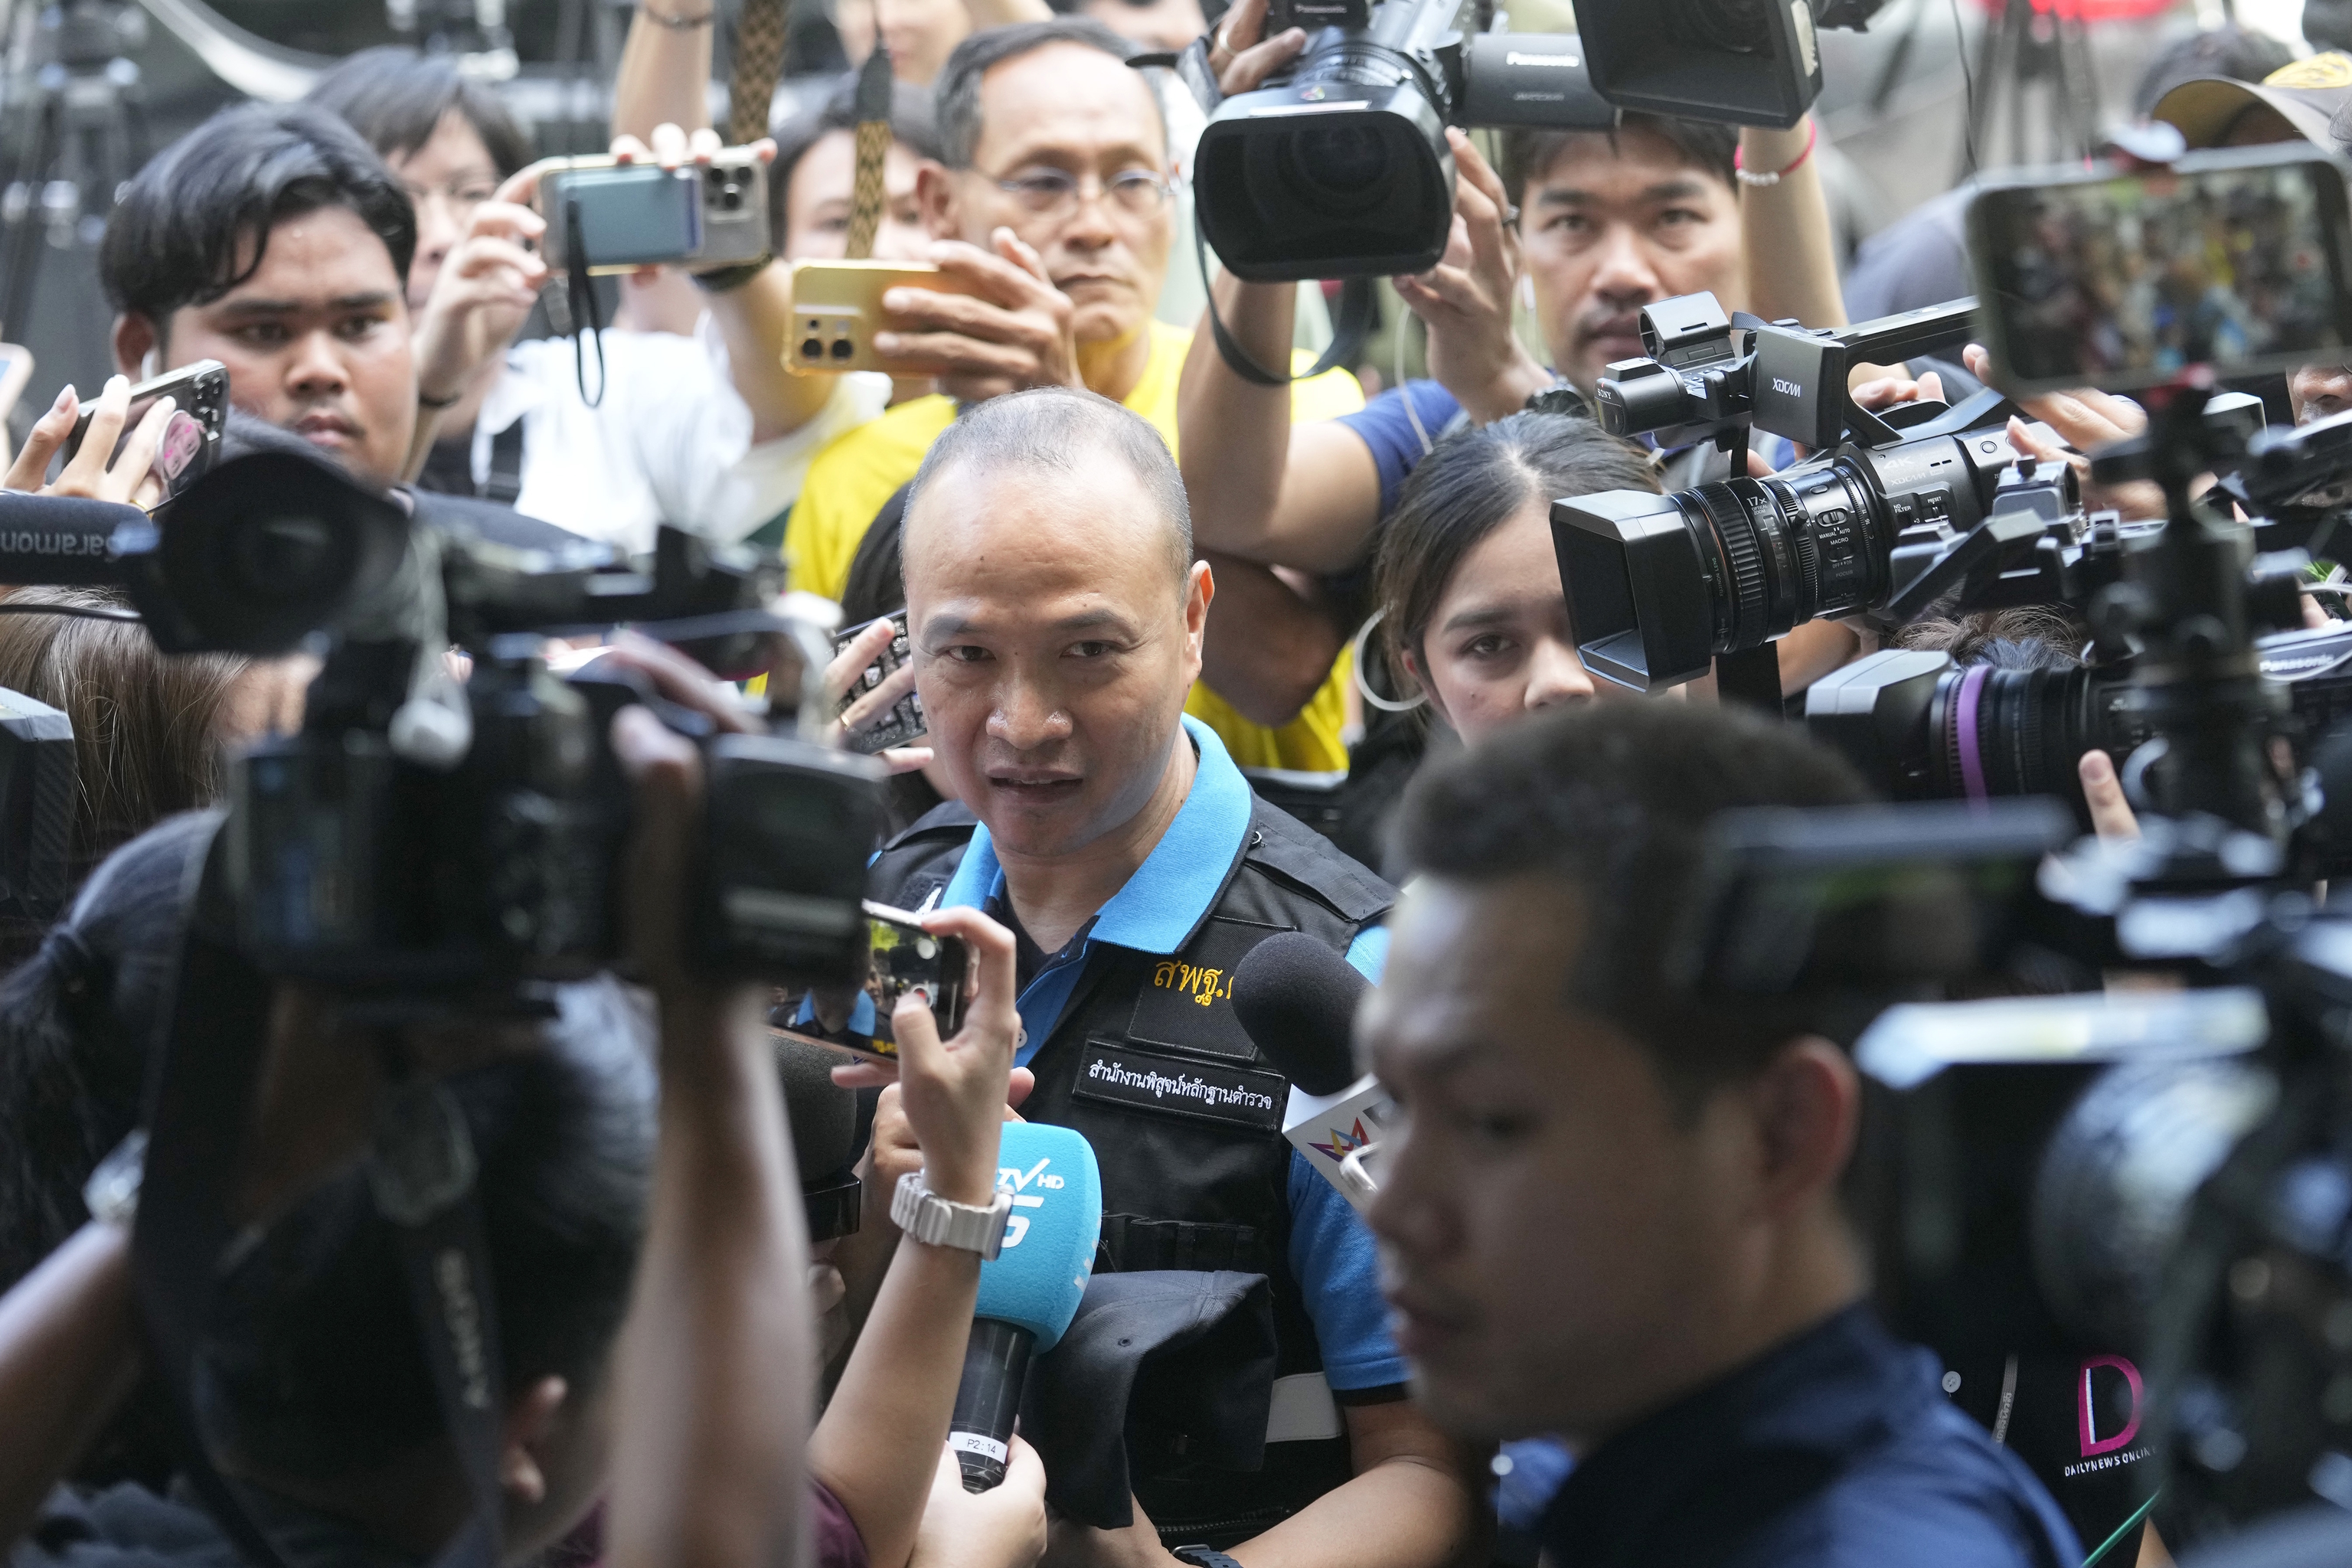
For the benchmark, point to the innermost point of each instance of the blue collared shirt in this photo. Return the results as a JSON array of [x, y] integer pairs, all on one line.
[[1157, 911], [1836, 1450]]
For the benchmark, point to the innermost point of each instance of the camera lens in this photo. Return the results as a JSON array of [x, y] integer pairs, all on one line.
[[1782, 551], [1995, 731], [1341, 168]]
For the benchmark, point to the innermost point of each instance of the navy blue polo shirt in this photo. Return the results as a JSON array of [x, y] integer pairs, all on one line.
[[1331, 1253], [1836, 1450]]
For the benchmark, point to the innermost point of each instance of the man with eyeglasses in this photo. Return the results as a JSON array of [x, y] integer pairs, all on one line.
[[1053, 210]]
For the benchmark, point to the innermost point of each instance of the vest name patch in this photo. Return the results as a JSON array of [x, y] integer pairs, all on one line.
[[1185, 1002], [1207, 1091]]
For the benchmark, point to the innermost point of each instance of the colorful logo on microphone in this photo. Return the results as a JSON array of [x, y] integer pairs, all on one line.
[[1342, 1144]]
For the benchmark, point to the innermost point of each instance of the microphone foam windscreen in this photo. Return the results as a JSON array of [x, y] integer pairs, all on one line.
[[824, 1115], [1297, 998], [1038, 1280]]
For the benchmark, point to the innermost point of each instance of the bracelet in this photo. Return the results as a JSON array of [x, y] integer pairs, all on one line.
[[679, 24], [1812, 135], [438, 404], [727, 280]]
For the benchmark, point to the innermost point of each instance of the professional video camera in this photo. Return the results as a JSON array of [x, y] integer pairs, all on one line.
[[420, 834], [1745, 61], [1340, 168], [2154, 1179]]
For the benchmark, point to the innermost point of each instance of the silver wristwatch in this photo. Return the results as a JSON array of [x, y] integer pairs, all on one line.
[[111, 1194], [935, 1221]]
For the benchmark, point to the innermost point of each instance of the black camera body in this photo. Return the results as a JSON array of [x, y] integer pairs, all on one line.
[[419, 835], [1744, 62], [1340, 168]]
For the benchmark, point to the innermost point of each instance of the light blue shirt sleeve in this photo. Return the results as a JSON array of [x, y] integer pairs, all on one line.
[[1332, 1254], [1339, 1274]]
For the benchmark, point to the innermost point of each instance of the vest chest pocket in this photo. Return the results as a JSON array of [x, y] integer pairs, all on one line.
[[1185, 1002]]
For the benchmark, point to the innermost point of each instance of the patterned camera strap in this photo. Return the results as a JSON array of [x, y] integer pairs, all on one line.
[[873, 148], [758, 61]]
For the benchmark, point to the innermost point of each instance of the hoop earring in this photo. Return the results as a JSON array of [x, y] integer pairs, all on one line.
[[1363, 688]]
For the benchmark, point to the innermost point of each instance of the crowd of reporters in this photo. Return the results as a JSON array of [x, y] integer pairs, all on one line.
[[1199, 658]]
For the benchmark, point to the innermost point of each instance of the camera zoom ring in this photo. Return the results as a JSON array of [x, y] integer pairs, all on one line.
[[1743, 555]]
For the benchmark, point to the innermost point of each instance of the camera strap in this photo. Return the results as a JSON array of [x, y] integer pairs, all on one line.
[[1349, 328], [200, 1092], [587, 315]]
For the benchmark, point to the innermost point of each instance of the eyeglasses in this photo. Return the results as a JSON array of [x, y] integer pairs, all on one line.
[[1050, 193], [462, 196]]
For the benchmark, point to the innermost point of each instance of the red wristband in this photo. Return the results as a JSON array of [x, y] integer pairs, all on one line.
[[1739, 168]]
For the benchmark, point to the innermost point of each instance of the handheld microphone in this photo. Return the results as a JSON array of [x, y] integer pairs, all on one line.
[[1297, 998], [824, 1118], [1029, 1291]]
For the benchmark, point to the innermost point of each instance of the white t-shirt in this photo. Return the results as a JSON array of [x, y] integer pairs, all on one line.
[[669, 442]]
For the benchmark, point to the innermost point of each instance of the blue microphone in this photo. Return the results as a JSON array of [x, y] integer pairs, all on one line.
[[1029, 1291]]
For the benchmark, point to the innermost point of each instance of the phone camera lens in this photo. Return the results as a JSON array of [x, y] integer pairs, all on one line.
[[811, 349], [842, 348]]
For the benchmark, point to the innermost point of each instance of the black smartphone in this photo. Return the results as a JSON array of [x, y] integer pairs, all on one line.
[[2119, 279], [902, 960], [903, 724], [191, 444]]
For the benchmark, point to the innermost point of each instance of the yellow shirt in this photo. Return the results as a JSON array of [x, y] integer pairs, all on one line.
[[864, 467]]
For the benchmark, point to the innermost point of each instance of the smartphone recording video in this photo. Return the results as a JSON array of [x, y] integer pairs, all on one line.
[[903, 960], [191, 441], [2234, 260]]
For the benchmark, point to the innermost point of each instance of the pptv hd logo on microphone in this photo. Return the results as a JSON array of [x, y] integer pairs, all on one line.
[[1028, 1188]]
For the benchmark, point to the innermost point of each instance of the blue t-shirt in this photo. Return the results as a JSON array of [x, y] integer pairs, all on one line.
[[1385, 424]]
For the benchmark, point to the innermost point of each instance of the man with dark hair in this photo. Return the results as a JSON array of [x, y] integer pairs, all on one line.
[[1051, 207], [1613, 1211], [1056, 619], [272, 239]]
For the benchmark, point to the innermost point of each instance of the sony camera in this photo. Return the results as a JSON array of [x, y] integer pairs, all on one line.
[[1340, 168], [420, 834]]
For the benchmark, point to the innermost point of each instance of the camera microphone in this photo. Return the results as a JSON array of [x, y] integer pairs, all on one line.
[[1029, 1291], [824, 1119], [1296, 999]]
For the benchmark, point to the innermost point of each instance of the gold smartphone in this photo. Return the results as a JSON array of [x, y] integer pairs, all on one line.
[[837, 309]]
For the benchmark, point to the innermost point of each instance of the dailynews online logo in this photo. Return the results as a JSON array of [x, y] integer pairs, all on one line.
[[2087, 1415], [1342, 1144]]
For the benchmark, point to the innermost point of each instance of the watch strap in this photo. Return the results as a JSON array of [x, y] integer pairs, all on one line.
[[1203, 1557], [935, 1221], [111, 1194]]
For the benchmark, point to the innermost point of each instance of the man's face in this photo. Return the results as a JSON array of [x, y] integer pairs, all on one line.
[[1071, 111], [2317, 391], [316, 342], [1551, 1237], [1607, 230], [1055, 642]]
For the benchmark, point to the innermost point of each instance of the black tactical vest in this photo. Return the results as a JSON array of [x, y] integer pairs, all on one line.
[[1185, 1117]]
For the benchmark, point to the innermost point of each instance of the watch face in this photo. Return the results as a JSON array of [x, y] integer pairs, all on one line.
[[1562, 399]]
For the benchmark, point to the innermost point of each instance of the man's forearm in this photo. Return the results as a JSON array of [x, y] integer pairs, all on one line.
[[877, 1446], [1234, 434], [754, 321], [69, 1356], [664, 75], [1405, 1511], [712, 1380], [1792, 257], [1268, 647]]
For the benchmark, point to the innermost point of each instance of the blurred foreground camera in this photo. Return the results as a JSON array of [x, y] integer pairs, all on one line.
[[1341, 169], [418, 833]]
